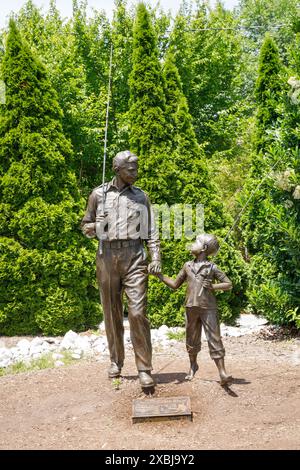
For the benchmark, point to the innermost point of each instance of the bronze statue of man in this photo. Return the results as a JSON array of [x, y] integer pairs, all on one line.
[[124, 227]]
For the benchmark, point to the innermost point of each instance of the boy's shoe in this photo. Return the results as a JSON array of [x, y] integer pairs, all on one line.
[[145, 379], [114, 371]]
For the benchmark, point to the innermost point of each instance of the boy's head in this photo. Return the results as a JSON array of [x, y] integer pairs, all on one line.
[[205, 243]]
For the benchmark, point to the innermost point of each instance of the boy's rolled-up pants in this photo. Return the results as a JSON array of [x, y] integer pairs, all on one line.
[[122, 267], [196, 317]]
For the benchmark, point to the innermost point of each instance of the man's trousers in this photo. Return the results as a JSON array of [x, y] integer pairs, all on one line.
[[122, 268]]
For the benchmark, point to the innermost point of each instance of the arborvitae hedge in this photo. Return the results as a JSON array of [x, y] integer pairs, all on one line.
[[173, 169], [46, 265], [270, 224]]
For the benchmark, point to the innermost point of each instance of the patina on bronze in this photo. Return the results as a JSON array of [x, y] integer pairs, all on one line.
[[122, 265], [200, 303]]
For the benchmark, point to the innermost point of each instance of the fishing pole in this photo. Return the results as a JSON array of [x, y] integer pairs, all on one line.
[[102, 213], [239, 216]]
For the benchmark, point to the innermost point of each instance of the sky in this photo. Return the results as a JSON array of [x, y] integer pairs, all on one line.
[[65, 6]]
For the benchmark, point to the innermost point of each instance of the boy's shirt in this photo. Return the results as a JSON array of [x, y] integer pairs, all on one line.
[[194, 274]]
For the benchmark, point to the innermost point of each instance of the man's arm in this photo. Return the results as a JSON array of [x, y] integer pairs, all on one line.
[[88, 223]]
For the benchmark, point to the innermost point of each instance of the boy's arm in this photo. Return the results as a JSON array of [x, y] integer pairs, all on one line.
[[224, 282], [173, 283]]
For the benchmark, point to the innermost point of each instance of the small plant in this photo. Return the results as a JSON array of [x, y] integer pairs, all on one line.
[[44, 362], [67, 358], [116, 383], [177, 335]]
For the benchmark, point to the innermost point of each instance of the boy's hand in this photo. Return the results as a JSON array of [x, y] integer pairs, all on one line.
[[158, 275], [207, 284]]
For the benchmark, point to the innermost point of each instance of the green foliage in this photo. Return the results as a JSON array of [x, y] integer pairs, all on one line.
[[177, 172], [46, 265], [177, 335], [147, 101], [44, 362], [271, 222], [268, 93], [209, 119]]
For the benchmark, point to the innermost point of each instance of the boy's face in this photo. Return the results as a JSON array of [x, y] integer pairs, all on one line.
[[197, 247]]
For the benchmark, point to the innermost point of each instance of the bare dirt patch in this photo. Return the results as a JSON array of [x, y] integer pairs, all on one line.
[[77, 407]]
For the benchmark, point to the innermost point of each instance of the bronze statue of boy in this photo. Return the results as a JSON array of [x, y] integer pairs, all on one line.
[[201, 305]]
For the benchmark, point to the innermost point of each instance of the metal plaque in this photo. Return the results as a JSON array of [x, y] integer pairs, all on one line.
[[157, 409]]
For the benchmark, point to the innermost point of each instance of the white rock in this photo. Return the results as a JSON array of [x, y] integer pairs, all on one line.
[[5, 362], [24, 346], [163, 329], [100, 340], [50, 340], [252, 321], [59, 363], [78, 351], [5, 353], [76, 356], [165, 342], [57, 356], [101, 327], [69, 340], [93, 338], [37, 355], [15, 352], [100, 348], [36, 349], [154, 334], [37, 341], [82, 343], [230, 331], [100, 345]]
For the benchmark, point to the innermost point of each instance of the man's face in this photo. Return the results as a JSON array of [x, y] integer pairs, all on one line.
[[128, 172]]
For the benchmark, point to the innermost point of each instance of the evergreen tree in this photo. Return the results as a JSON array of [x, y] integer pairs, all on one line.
[[194, 185], [147, 101], [271, 222], [46, 264], [268, 93]]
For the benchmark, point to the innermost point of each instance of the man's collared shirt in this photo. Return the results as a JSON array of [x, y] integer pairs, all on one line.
[[128, 215]]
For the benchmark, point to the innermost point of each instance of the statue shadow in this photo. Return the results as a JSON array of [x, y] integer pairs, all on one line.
[[234, 381], [179, 377], [165, 378]]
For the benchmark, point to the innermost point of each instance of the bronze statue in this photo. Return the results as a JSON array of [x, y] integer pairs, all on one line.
[[201, 305], [120, 214]]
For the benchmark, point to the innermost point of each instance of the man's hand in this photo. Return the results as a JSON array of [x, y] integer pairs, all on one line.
[[154, 267], [89, 230]]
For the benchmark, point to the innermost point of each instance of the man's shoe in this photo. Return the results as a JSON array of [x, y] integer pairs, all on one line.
[[146, 379], [114, 371]]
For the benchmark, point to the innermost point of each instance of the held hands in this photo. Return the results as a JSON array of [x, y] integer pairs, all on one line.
[[155, 268], [89, 230]]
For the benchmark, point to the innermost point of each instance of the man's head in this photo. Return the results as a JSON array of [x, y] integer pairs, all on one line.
[[125, 165], [205, 243]]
